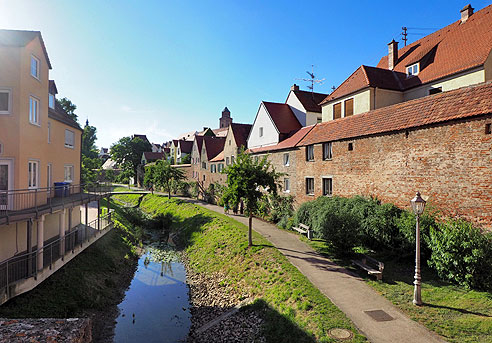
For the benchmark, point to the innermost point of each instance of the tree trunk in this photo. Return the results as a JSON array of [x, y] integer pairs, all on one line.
[[250, 231]]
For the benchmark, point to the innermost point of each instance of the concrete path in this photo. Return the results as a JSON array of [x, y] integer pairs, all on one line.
[[345, 289]]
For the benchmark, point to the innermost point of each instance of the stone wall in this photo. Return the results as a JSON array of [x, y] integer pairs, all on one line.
[[449, 163]]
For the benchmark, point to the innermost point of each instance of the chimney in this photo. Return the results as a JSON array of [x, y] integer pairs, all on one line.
[[466, 13], [294, 87], [392, 54]]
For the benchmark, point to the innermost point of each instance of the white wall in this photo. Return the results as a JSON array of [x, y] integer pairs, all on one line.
[[296, 107], [456, 81], [362, 103], [270, 133]]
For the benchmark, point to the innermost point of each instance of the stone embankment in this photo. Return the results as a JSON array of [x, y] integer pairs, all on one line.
[[73, 330], [211, 298]]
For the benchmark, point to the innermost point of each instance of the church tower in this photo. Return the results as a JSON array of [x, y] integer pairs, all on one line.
[[226, 119]]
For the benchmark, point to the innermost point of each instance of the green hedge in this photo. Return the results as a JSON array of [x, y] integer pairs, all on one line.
[[459, 252]]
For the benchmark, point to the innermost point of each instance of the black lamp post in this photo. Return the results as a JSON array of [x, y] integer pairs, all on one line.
[[418, 206]]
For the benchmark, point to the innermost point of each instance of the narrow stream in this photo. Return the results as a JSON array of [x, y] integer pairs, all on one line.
[[156, 305]]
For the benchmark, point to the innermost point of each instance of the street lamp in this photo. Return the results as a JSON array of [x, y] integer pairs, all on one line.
[[418, 206]]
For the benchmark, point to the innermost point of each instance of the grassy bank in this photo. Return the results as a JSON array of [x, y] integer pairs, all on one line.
[[294, 310], [91, 282], [457, 314]]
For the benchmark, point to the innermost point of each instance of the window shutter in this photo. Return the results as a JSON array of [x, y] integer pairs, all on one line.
[[349, 107], [337, 110]]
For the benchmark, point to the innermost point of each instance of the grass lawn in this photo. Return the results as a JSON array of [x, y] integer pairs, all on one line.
[[457, 314], [294, 310]]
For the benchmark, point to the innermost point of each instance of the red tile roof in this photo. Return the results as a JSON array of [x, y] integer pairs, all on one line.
[[153, 156], [283, 117], [222, 132], [199, 142], [213, 146], [219, 157], [456, 104], [186, 146], [288, 143], [455, 48], [310, 100], [58, 113], [241, 133]]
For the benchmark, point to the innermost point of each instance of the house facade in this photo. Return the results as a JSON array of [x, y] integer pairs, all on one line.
[[40, 147]]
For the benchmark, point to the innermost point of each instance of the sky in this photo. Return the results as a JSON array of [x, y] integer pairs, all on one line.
[[163, 68]]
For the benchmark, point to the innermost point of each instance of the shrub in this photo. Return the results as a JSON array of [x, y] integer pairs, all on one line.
[[282, 208], [184, 188], [194, 190], [462, 254]]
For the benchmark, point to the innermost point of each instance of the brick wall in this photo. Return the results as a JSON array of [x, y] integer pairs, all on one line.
[[450, 163]]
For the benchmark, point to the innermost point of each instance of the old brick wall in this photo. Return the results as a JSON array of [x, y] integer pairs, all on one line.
[[449, 163]]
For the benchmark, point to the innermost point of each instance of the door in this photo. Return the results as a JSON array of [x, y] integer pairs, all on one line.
[[5, 184]]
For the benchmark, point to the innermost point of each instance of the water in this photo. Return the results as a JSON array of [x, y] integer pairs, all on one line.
[[156, 305]]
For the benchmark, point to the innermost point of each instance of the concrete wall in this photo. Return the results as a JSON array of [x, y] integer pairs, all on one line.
[[385, 97], [270, 133], [363, 102], [448, 163]]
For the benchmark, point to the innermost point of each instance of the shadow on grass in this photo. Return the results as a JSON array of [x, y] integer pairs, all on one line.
[[460, 310]]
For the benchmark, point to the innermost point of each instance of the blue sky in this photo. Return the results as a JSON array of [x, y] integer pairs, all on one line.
[[163, 68]]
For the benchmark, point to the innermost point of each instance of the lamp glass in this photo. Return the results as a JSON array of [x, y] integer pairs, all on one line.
[[418, 204]]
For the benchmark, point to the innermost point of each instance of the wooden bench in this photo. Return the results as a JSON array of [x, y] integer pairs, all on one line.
[[371, 265], [304, 230]]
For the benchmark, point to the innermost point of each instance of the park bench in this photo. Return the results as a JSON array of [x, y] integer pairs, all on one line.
[[304, 230], [371, 265]]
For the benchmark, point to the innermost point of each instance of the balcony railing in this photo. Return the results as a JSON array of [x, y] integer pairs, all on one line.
[[15, 201], [25, 266]]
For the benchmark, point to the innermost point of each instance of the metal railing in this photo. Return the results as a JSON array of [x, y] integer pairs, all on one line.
[[25, 266], [18, 200]]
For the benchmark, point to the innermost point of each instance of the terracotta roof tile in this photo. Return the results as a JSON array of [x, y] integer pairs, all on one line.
[[241, 133], [58, 113], [454, 48], [213, 146], [154, 156], [186, 146], [288, 143], [283, 117], [219, 157], [456, 104], [310, 100]]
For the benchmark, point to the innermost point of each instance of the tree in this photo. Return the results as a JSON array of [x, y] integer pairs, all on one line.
[[245, 180], [186, 159], [127, 152], [68, 106], [89, 138], [164, 175]]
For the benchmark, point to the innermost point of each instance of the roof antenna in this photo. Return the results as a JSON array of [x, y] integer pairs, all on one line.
[[312, 79], [404, 34]]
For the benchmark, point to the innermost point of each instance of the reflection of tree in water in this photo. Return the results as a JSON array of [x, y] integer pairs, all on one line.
[[166, 268]]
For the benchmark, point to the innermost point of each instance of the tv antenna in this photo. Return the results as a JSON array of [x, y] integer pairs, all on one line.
[[405, 32], [312, 79]]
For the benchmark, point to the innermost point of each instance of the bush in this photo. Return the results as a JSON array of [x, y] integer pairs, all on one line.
[[194, 190], [406, 224], [282, 208], [462, 254], [184, 188]]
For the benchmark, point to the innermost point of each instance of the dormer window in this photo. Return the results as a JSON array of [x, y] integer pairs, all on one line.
[[51, 101], [413, 69], [35, 67]]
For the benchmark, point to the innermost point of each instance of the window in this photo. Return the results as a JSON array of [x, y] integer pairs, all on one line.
[[310, 153], [435, 90], [204, 165], [327, 186], [286, 160], [256, 159], [337, 110], [69, 139], [413, 69], [68, 173], [51, 101], [221, 167], [310, 186], [35, 67], [488, 129], [203, 177], [327, 151], [351, 146], [349, 107], [49, 132], [213, 168], [227, 161], [286, 185], [34, 110], [261, 132], [5, 101], [33, 173], [232, 159], [229, 142]]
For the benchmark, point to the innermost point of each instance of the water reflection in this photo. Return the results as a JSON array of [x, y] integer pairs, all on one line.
[[156, 307]]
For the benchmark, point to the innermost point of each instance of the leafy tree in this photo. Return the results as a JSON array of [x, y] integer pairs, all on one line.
[[89, 138], [245, 180], [68, 106], [89, 169], [186, 159], [127, 152], [165, 176]]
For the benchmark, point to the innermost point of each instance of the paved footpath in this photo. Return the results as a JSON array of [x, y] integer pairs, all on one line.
[[345, 289]]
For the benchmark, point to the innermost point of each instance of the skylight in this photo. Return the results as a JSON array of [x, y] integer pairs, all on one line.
[[413, 69]]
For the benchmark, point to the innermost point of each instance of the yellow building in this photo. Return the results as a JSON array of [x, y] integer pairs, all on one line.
[[40, 164]]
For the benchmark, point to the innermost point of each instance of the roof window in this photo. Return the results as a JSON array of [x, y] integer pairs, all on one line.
[[413, 69]]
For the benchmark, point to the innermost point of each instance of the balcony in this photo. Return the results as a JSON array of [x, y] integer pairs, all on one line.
[[22, 204], [23, 272]]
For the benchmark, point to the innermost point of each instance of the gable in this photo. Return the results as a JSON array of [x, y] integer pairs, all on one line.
[[270, 132]]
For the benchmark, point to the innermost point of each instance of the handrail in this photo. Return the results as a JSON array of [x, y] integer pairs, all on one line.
[[23, 199], [25, 265]]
